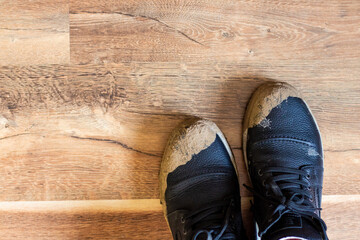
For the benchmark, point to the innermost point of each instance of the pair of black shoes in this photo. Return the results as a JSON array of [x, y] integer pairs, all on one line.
[[199, 187]]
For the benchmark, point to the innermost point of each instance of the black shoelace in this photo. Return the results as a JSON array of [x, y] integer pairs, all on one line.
[[212, 222], [288, 190]]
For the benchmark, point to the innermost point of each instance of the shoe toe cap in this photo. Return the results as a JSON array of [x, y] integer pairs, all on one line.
[[187, 152]]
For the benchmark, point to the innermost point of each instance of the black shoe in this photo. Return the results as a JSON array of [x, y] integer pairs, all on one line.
[[199, 188], [283, 153]]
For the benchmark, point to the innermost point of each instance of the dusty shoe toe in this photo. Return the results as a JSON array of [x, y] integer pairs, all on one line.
[[199, 187], [283, 153]]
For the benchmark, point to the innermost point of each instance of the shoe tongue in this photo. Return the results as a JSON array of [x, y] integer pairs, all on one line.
[[210, 237], [292, 227]]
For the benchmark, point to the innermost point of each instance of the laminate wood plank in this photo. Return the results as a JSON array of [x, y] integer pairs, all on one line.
[[125, 219], [276, 32], [342, 215], [136, 219], [34, 32], [95, 130], [98, 132]]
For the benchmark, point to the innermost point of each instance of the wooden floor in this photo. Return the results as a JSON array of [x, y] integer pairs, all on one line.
[[90, 90]]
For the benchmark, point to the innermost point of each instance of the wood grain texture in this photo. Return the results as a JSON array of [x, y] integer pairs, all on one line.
[[273, 32], [342, 215], [87, 114], [98, 132], [34, 32], [129, 219], [135, 219]]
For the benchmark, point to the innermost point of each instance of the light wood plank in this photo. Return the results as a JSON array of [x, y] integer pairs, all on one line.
[[273, 32], [98, 132], [136, 219], [342, 215], [34, 32], [129, 219]]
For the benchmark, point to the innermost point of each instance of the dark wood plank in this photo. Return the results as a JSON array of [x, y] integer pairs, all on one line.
[[98, 132], [272, 32], [34, 32]]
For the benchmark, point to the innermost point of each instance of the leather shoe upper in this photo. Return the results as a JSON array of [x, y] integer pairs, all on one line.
[[285, 164], [201, 198]]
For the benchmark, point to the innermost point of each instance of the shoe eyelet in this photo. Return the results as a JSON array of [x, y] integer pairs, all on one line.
[[182, 220], [267, 193], [263, 183], [308, 176], [185, 232], [309, 188], [260, 173]]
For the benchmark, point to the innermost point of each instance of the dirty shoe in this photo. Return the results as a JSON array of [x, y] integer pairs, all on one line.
[[283, 153], [199, 188]]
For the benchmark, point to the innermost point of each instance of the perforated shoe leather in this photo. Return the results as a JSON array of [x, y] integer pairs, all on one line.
[[284, 156]]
